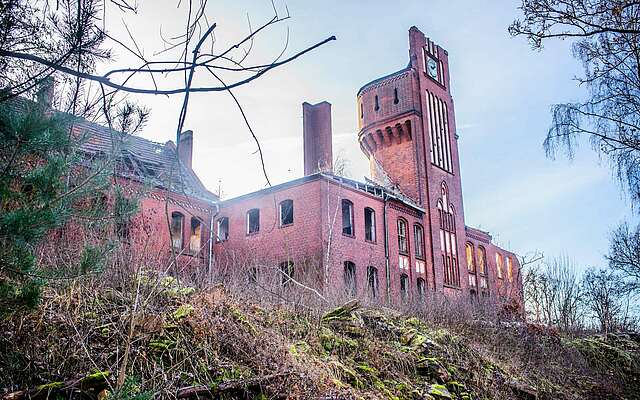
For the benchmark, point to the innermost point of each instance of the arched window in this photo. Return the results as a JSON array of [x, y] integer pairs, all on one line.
[[418, 233], [404, 287], [253, 221], [223, 229], [287, 272], [177, 220], [286, 212], [421, 289], [481, 265], [369, 224], [347, 217], [195, 236], [509, 269], [471, 265], [403, 242], [350, 278], [448, 240], [372, 281], [499, 265]]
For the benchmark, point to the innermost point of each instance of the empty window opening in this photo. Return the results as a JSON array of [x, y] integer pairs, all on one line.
[[395, 96], [369, 224], [481, 266], [421, 289], [448, 238], [372, 281], [223, 229], [286, 212], [361, 111], [253, 221], [347, 217], [418, 232], [195, 236], [350, 278], [404, 287], [286, 272], [403, 245], [499, 265], [509, 269], [176, 230], [377, 106], [252, 275]]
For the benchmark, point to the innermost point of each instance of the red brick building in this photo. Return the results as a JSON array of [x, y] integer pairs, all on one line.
[[394, 237]]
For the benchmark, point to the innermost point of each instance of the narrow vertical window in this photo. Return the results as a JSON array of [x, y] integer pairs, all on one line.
[[404, 287], [396, 100], [177, 220], [350, 278], [421, 289], [195, 236], [403, 245], [372, 281], [347, 218], [223, 229], [369, 224], [418, 233], [509, 269], [361, 110], [481, 261], [471, 265], [286, 272], [252, 275], [448, 240], [253, 221], [377, 105], [499, 265], [286, 212]]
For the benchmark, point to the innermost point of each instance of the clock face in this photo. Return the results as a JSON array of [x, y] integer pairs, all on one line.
[[432, 68]]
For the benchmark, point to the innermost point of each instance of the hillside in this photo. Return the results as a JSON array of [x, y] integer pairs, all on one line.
[[210, 343]]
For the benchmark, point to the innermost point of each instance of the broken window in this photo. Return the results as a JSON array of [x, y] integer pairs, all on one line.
[[499, 265], [350, 278], [286, 212], [369, 224], [471, 265], [421, 289], [253, 221], [403, 245], [287, 272], [347, 217], [404, 287], [372, 281], [195, 236], [176, 230], [510, 269], [223, 229]]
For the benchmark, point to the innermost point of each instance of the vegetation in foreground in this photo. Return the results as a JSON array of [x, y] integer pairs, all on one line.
[[146, 337]]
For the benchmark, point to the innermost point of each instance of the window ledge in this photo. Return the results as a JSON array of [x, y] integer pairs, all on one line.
[[286, 225], [253, 233], [451, 286], [371, 241], [403, 253], [421, 258], [349, 236]]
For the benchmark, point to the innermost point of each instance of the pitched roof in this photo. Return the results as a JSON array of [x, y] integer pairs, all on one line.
[[140, 159]]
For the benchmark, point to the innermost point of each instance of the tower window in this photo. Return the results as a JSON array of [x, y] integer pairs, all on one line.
[[253, 221], [350, 278], [286, 212], [223, 229], [395, 96], [361, 110], [369, 224], [347, 217], [377, 106], [176, 230], [448, 240]]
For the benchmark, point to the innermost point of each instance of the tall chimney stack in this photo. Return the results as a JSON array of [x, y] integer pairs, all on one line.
[[185, 147], [316, 121]]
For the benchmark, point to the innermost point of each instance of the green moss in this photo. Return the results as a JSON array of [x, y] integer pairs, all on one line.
[[95, 377], [330, 341], [439, 391], [51, 386], [242, 319], [161, 344], [183, 311]]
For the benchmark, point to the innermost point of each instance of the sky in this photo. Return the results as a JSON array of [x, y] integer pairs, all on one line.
[[502, 90]]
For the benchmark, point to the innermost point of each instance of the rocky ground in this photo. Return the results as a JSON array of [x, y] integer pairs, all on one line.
[[161, 339]]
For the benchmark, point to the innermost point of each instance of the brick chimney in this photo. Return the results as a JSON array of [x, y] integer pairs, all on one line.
[[316, 123], [185, 147], [46, 91]]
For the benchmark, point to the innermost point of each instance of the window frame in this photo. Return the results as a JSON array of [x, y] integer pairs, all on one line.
[[199, 235], [249, 231], [219, 222], [421, 288], [349, 204], [418, 240], [406, 249], [499, 265], [404, 287], [372, 282], [175, 214], [370, 232], [350, 278], [280, 213]]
